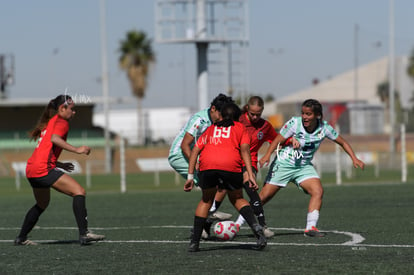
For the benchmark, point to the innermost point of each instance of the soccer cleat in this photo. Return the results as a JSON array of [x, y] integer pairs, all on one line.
[[261, 239], [194, 247], [267, 232], [90, 237], [205, 235], [19, 241], [220, 216], [313, 232]]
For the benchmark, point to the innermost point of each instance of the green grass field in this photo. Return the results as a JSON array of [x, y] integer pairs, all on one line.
[[369, 231]]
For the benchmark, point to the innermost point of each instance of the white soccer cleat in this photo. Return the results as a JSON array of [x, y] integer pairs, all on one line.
[[267, 232], [220, 216], [19, 241], [90, 237]]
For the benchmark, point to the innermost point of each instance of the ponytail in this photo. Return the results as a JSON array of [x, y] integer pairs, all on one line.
[[50, 110]]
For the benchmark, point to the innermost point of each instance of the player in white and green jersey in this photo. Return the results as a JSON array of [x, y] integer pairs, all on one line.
[[293, 162], [184, 142], [194, 127], [309, 142]]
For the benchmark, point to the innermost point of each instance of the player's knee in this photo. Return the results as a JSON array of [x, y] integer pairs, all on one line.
[[79, 192]]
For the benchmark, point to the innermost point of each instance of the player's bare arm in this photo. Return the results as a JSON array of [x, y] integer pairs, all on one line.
[[348, 149], [189, 183], [186, 145], [59, 141], [246, 156], [279, 139]]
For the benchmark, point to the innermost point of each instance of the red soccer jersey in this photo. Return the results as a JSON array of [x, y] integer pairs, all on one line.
[[220, 147], [260, 132], [45, 155]]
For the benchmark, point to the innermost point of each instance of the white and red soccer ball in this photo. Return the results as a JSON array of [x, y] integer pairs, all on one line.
[[225, 230]]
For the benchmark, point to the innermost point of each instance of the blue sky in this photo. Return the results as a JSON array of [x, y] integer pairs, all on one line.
[[57, 46]]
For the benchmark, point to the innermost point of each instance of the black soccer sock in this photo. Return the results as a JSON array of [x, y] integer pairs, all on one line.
[[197, 229], [30, 220], [217, 205], [255, 203], [207, 226], [248, 215], [79, 209]]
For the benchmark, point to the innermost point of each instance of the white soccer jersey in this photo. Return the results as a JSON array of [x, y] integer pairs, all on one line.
[[309, 142], [195, 126]]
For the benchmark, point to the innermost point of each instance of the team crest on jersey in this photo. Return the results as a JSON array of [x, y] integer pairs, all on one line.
[[260, 135]]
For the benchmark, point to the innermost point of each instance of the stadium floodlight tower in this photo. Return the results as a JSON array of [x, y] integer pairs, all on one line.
[[202, 22]]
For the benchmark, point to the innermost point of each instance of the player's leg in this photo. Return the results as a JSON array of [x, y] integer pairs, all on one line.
[[200, 217], [214, 214], [69, 186], [314, 188], [42, 197], [236, 198], [180, 165]]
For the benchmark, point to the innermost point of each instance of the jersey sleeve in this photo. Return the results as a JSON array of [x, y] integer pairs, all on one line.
[[330, 132], [270, 132], [289, 129], [195, 125], [245, 138], [61, 128]]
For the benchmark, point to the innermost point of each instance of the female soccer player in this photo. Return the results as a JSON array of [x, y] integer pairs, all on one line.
[[222, 148], [260, 131], [293, 163], [42, 173]]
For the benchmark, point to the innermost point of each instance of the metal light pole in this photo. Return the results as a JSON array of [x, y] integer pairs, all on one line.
[[391, 79], [356, 63], [105, 92]]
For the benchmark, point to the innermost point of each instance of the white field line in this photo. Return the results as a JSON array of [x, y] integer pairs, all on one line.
[[355, 242]]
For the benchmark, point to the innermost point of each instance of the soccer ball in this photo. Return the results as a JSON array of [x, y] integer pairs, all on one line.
[[225, 230]]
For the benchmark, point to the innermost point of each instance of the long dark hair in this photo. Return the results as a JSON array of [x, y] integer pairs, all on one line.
[[50, 110], [230, 112]]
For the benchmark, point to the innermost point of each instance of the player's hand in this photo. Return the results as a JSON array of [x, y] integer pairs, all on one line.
[[264, 161], [67, 166], [188, 186], [295, 143], [359, 163], [83, 150], [252, 184]]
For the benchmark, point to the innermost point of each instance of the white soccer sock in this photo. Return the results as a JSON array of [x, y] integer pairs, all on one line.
[[213, 207], [312, 219], [240, 220]]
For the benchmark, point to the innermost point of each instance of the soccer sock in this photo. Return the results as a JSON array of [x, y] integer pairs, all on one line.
[[215, 206], [30, 220], [197, 229], [207, 226], [240, 220], [255, 203], [79, 209], [312, 219], [248, 215]]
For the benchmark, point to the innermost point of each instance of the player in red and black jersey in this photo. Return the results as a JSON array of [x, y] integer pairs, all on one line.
[[42, 173], [223, 148], [260, 132]]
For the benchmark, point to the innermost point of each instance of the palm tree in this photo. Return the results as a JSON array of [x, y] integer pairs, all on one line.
[[136, 59]]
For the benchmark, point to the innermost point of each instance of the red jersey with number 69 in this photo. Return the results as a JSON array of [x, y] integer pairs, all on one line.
[[260, 132], [45, 155], [220, 147]]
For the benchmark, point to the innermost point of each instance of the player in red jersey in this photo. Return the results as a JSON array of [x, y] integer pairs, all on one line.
[[260, 132], [42, 173], [223, 148]]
